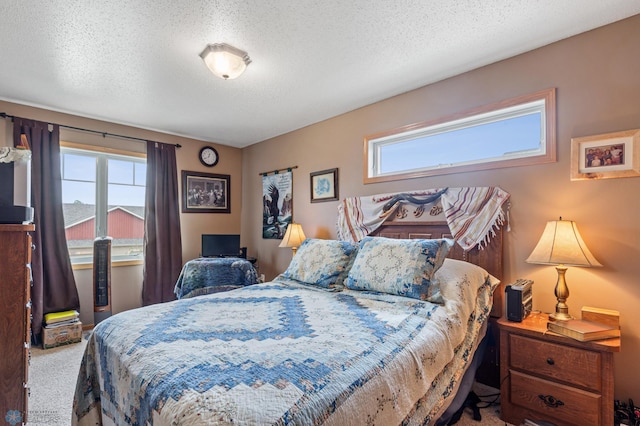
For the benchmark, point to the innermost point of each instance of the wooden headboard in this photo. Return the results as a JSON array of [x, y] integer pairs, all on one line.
[[489, 258]]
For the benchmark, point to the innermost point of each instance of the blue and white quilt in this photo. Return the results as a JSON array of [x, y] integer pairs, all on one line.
[[285, 353]]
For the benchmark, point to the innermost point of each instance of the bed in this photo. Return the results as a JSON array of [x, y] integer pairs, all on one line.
[[326, 342]]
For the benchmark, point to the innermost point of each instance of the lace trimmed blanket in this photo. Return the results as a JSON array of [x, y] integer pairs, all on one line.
[[472, 213], [11, 155]]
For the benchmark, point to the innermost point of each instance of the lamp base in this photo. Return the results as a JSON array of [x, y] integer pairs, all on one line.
[[560, 316], [562, 294]]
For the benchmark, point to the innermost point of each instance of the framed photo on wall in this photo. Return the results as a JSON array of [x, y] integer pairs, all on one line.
[[611, 155], [205, 192], [324, 185]]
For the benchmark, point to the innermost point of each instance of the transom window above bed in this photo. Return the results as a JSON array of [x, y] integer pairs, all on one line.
[[515, 132]]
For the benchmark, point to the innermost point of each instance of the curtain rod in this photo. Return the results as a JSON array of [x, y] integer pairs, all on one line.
[[275, 172], [104, 134]]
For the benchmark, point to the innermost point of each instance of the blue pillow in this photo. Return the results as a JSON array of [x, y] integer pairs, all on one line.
[[400, 267], [324, 263]]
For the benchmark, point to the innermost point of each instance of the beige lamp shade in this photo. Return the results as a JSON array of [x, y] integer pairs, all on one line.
[[293, 237], [225, 61], [562, 244]]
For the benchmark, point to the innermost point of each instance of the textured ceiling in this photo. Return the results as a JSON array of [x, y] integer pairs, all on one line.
[[136, 62]]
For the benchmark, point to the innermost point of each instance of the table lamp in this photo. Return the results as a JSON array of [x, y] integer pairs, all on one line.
[[562, 245], [293, 237]]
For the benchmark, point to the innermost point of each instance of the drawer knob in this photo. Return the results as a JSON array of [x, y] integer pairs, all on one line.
[[550, 361], [551, 401]]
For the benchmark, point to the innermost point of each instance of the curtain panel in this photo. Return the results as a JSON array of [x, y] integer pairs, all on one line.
[[54, 286], [162, 238]]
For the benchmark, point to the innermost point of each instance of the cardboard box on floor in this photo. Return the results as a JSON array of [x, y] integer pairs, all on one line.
[[62, 335]]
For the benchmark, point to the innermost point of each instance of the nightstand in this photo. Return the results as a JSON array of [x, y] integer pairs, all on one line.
[[553, 378]]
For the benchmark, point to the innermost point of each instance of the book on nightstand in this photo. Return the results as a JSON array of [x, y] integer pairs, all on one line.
[[596, 324]]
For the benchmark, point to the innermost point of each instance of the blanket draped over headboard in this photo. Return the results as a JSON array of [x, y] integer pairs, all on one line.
[[471, 212]]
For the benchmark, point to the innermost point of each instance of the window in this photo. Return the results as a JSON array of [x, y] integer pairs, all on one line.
[[103, 195], [516, 132]]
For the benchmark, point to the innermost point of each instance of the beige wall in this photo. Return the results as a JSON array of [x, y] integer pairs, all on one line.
[[127, 280], [598, 91]]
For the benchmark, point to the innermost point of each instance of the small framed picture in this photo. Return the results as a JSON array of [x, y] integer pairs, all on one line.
[[205, 192], [324, 185], [611, 155]]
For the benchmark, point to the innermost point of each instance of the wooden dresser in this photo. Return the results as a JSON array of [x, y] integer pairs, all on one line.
[[553, 378], [15, 322]]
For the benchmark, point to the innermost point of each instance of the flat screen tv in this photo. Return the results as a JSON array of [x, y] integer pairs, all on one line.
[[220, 245]]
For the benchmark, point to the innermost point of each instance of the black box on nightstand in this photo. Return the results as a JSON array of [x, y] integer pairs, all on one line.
[[519, 299]]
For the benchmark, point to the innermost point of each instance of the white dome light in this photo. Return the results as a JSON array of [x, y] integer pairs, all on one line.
[[225, 61]]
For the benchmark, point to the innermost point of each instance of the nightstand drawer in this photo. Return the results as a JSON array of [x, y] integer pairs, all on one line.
[[557, 362], [554, 401]]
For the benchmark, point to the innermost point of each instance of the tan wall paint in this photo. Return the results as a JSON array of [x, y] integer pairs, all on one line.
[[127, 280], [598, 91]]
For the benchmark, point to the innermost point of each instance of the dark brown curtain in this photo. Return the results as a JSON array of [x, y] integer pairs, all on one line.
[[162, 239], [54, 286]]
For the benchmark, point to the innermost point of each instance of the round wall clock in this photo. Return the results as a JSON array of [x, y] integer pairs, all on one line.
[[208, 156]]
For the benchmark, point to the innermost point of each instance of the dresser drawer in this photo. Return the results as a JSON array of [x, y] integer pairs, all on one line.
[[25, 413], [564, 404], [580, 367], [26, 362], [27, 322]]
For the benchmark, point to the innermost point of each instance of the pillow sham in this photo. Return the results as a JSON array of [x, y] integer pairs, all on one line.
[[400, 267], [323, 263]]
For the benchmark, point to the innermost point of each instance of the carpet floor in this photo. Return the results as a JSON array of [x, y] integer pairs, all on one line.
[[52, 380], [53, 374]]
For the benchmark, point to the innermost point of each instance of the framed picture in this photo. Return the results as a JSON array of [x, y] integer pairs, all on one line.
[[324, 185], [611, 155], [205, 192]]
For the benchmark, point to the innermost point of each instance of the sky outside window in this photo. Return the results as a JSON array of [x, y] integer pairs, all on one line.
[[482, 142], [126, 181]]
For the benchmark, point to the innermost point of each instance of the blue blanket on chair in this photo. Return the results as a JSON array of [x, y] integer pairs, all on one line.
[[212, 275]]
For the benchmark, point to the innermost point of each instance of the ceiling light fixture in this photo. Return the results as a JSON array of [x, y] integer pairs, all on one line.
[[225, 61]]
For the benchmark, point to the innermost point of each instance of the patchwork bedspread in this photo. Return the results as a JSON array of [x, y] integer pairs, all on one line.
[[283, 353], [212, 275]]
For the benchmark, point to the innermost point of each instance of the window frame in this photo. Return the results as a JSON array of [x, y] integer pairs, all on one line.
[[101, 193], [373, 142]]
